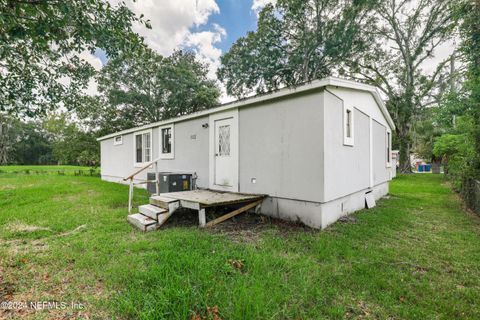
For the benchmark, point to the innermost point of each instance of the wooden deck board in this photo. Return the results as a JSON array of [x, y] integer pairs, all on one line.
[[210, 198]]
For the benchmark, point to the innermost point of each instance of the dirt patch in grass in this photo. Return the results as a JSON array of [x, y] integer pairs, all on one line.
[[6, 290], [118, 205], [22, 246], [245, 227], [76, 230], [21, 227], [67, 197], [53, 284], [7, 187]]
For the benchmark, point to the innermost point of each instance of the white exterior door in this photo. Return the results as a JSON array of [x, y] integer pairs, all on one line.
[[224, 152], [224, 165]]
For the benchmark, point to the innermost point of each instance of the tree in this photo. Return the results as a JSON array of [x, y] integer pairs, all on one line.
[[448, 146], [70, 144], [405, 35], [424, 131], [39, 45], [33, 146], [470, 32], [464, 161], [296, 41], [144, 87], [23, 142], [8, 138]]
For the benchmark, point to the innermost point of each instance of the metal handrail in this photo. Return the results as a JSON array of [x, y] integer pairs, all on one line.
[[130, 177]]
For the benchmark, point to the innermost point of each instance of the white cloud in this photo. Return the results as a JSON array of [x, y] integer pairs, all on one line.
[[90, 58], [172, 23], [257, 5], [97, 65], [202, 44]]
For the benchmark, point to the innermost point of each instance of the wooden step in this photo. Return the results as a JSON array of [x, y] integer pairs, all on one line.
[[162, 218], [151, 211], [142, 222], [164, 202]]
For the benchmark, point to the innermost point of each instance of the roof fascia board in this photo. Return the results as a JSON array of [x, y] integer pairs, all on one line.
[[316, 84]]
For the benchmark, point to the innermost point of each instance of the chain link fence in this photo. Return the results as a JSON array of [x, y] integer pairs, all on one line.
[[471, 193]]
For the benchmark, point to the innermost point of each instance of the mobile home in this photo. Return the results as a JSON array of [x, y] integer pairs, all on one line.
[[318, 151]]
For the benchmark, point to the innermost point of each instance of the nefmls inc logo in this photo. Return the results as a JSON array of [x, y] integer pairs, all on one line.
[[48, 305]]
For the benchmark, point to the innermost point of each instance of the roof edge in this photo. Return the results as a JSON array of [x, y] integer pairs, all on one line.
[[316, 84]]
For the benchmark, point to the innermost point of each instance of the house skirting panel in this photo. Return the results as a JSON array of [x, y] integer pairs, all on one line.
[[320, 215]]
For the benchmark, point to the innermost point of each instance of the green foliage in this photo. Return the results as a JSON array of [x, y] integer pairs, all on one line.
[[51, 140], [460, 146], [70, 144], [448, 145], [425, 130], [23, 142], [39, 46], [8, 137], [405, 34], [142, 87], [296, 41], [33, 146]]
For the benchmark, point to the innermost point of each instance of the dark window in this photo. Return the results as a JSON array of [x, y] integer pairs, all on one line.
[[138, 148], [388, 147], [167, 140], [349, 123]]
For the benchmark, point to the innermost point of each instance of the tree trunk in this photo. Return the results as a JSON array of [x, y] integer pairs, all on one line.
[[405, 165]]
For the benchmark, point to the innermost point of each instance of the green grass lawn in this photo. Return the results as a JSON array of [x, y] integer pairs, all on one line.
[[65, 238]]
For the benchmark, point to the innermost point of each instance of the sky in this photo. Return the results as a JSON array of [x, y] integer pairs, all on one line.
[[207, 27]]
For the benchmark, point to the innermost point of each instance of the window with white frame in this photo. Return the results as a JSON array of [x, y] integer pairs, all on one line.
[[389, 148], [348, 126], [167, 142], [118, 140], [143, 147]]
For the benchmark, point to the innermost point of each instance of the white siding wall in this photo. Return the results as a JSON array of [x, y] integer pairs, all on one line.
[[347, 168], [292, 147], [380, 171], [191, 155], [361, 100], [281, 147]]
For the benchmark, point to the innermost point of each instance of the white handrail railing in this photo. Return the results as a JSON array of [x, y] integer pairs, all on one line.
[[130, 177]]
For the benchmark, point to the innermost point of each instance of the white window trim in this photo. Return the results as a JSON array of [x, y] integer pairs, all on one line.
[[348, 141], [388, 138], [141, 164], [171, 155], [117, 143]]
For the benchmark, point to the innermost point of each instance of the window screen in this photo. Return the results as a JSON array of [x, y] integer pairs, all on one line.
[[147, 146], [167, 140], [138, 148]]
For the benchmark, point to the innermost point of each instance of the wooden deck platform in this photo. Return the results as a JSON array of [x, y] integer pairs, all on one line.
[[201, 199], [210, 198]]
